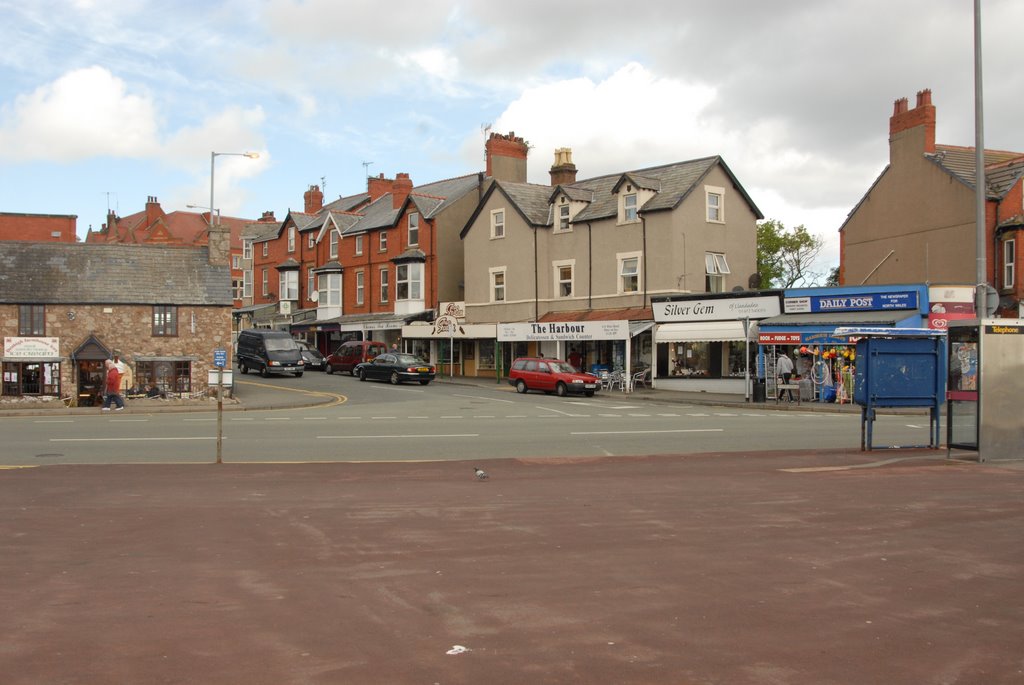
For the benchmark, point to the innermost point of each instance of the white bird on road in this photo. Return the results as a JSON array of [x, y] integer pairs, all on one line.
[[480, 473]]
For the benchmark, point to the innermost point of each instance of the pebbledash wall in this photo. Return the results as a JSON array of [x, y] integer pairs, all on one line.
[[86, 332]]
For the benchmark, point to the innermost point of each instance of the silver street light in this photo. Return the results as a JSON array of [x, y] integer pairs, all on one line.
[[213, 159]]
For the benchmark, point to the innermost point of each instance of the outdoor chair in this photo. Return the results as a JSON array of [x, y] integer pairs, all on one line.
[[639, 378]]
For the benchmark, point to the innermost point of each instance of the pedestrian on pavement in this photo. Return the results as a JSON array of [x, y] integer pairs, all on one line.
[[113, 388], [784, 369]]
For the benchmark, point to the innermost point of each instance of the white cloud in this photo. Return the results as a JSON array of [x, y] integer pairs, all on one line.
[[84, 113]]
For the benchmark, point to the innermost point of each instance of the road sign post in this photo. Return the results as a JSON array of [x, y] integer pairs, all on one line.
[[220, 360]]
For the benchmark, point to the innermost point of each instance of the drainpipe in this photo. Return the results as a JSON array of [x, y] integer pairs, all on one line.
[[643, 253], [590, 267], [536, 280]]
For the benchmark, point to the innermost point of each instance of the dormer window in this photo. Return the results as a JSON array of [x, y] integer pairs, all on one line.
[[629, 207], [563, 216]]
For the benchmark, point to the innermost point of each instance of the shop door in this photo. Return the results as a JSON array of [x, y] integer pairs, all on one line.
[[90, 383]]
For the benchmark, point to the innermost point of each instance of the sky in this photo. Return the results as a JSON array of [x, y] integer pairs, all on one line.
[[104, 103]]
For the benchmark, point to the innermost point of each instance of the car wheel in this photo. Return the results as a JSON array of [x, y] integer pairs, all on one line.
[[362, 374], [395, 378], [298, 374], [424, 382], [561, 390], [521, 386], [243, 368], [264, 372], [329, 370]]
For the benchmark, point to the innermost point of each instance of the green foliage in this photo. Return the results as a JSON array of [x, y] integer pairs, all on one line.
[[785, 256]]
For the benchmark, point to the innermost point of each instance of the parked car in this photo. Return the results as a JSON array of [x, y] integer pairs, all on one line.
[[312, 356], [551, 375], [396, 367], [353, 352], [267, 351]]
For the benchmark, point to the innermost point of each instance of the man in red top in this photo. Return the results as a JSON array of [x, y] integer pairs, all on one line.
[[113, 388]]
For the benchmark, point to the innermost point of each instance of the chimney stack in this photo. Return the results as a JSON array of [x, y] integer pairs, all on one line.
[[506, 157], [563, 171], [268, 218], [400, 189], [313, 200], [918, 123], [153, 211], [378, 186]]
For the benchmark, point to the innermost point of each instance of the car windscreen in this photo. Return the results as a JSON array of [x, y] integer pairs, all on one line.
[[280, 344], [409, 360], [562, 367]]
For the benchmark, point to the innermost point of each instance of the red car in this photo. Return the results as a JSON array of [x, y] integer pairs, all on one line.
[[551, 375]]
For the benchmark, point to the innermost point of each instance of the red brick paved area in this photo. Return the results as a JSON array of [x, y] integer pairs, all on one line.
[[685, 570]]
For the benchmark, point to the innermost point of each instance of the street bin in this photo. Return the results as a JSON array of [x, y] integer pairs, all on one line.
[[760, 390]]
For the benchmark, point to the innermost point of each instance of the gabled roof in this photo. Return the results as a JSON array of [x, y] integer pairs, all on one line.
[[378, 214], [448, 191], [83, 273], [573, 193], [645, 182], [347, 204]]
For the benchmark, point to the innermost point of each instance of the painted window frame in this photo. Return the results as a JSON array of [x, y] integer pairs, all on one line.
[[498, 224], [382, 241], [413, 232], [714, 205], [291, 239], [335, 238], [559, 281], [496, 273], [165, 321], [716, 268], [360, 288], [358, 245], [288, 284], [408, 281], [636, 275], [31, 320], [385, 284]]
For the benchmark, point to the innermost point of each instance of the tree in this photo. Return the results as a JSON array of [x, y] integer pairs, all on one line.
[[833, 277], [785, 257]]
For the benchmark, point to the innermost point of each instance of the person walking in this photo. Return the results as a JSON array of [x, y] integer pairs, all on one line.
[[113, 388], [784, 370]]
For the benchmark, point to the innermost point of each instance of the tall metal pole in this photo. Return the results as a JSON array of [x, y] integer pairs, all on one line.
[[981, 294], [213, 157]]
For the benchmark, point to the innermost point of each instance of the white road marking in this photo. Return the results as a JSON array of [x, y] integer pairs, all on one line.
[[491, 399], [55, 421], [383, 418], [563, 413], [195, 437], [669, 415]]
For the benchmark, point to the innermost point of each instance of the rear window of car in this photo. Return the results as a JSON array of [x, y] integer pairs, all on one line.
[[519, 364]]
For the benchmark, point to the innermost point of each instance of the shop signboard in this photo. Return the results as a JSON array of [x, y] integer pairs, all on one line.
[[710, 308], [794, 338], [31, 348], [564, 330], [778, 338], [949, 303], [862, 302]]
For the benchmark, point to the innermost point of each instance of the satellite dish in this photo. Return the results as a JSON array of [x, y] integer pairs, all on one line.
[[737, 289], [991, 301], [314, 296]]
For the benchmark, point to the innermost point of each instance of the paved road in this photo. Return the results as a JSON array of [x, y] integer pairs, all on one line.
[[353, 421]]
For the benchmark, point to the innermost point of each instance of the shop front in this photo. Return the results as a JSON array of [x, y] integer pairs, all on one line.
[[824, 361], [706, 343], [455, 348], [31, 367], [592, 346], [328, 334]]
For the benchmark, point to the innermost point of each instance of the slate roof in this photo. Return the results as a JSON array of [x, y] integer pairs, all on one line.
[[1002, 169], [83, 273]]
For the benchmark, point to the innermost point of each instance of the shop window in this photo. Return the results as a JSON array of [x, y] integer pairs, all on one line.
[[31, 319], [171, 376], [165, 320], [31, 378], [485, 350]]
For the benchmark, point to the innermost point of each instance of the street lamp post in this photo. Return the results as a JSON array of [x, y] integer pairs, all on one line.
[[213, 159]]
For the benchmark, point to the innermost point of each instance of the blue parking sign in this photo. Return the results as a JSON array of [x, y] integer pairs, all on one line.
[[220, 358]]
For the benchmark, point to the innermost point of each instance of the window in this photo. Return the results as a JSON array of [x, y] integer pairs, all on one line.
[[31, 319], [498, 223], [330, 290], [266, 249], [291, 239], [1009, 262], [715, 210], [629, 207], [359, 288], [384, 284], [629, 273], [31, 378], [407, 281], [247, 283], [165, 320], [246, 249], [382, 244], [170, 376], [485, 354], [716, 268], [334, 244], [237, 288], [563, 217], [266, 283], [414, 229], [288, 285], [236, 261], [498, 284], [311, 241], [563, 278], [310, 284], [359, 245]]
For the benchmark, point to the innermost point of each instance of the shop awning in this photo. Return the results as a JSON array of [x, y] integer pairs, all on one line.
[[700, 331], [880, 318], [638, 327]]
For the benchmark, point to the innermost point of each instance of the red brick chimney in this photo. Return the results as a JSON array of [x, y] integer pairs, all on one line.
[[400, 189], [313, 200], [268, 218], [378, 186], [919, 121], [153, 211], [506, 157], [563, 171]]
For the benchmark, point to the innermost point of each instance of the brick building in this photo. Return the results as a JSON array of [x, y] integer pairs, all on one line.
[[59, 228], [64, 309]]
